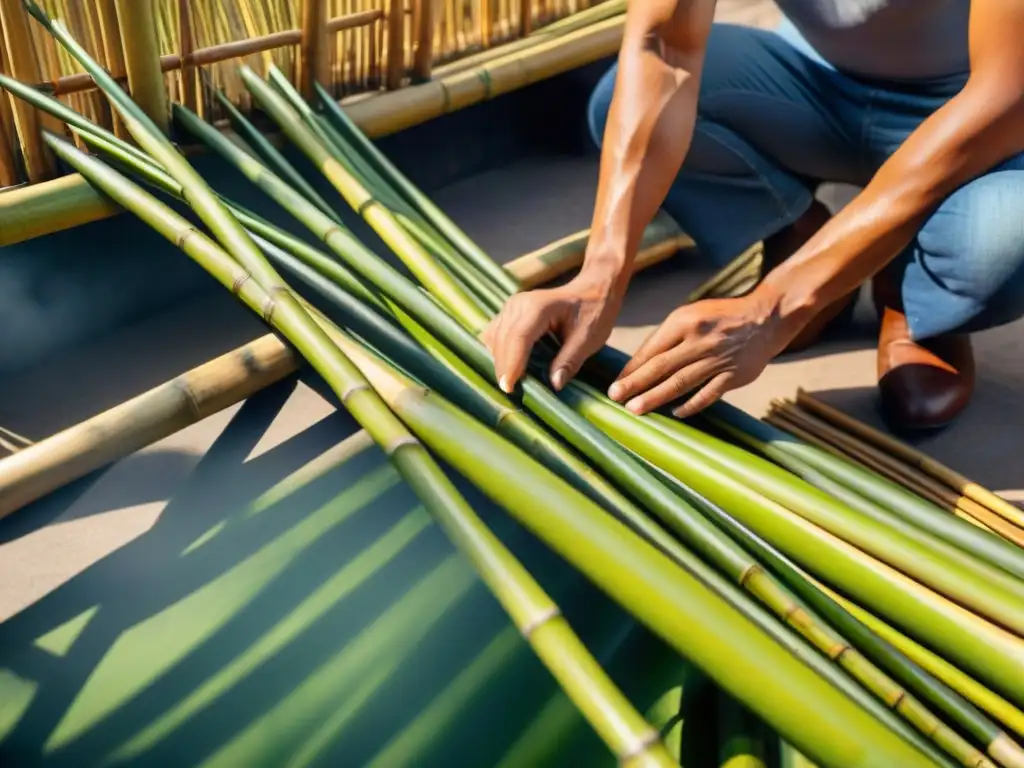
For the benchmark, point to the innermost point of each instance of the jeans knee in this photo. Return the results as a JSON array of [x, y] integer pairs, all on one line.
[[599, 104]]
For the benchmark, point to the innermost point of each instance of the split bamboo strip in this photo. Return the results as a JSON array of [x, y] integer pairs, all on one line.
[[914, 457], [392, 112], [22, 65], [313, 61], [630, 738], [142, 60]]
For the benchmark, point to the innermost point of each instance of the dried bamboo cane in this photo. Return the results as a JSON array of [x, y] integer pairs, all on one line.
[[22, 64], [142, 60], [423, 58], [896, 448], [395, 45], [187, 44], [313, 61]]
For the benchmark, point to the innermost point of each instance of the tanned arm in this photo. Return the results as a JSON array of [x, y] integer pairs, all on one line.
[[724, 344], [650, 124], [977, 129]]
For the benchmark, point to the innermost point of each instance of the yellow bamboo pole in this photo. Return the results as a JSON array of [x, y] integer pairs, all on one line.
[[423, 60], [22, 64], [314, 64], [9, 174], [142, 59], [38, 469], [395, 45], [186, 37]]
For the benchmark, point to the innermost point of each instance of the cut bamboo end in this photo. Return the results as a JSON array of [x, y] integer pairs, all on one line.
[[141, 42]]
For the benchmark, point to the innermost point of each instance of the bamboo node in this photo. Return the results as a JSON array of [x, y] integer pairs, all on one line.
[[650, 738], [367, 204], [532, 626], [189, 396], [748, 572], [484, 75], [402, 441], [236, 286], [336, 229], [352, 390], [183, 237]]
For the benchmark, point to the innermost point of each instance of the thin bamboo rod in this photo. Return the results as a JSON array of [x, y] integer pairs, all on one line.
[[9, 168], [423, 58], [314, 64], [22, 64], [113, 52], [187, 45], [56, 461], [395, 45], [918, 459], [142, 60]]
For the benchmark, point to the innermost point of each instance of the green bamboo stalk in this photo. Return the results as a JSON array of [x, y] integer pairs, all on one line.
[[987, 590], [814, 462], [421, 263], [990, 653], [469, 249], [270, 153], [998, 745], [534, 613], [651, 586]]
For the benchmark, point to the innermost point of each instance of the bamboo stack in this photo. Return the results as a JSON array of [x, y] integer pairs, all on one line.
[[156, 49], [810, 590]]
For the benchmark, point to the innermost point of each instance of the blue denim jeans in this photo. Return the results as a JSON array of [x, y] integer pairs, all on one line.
[[775, 120]]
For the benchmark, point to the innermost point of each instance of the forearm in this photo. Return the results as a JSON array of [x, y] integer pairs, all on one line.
[[648, 131], [972, 133]]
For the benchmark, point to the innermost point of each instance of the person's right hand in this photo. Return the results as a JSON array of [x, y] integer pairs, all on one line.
[[581, 313]]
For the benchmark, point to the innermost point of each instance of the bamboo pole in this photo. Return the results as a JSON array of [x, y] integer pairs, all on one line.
[[314, 65], [187, 44], [49, 464], [395, 45], [423, 58], [22, 64], [52, 206], [9, 168], [915, 458], [113, 52], [142, 60]]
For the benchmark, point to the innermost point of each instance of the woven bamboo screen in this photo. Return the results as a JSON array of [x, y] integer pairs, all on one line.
[[351, 46]]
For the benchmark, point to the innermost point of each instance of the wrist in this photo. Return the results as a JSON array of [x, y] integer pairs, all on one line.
[[790, 301]]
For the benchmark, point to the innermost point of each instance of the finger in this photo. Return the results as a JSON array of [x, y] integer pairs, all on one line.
[[657, 369], [514, 340], [487, 334], [710, 393], [665, 336], [675, 386], [578, 345]]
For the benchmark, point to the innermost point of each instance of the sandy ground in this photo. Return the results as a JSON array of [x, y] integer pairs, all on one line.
[[509, 212]]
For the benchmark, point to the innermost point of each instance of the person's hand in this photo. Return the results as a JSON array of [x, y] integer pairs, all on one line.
[[581, 313], [721, 344]]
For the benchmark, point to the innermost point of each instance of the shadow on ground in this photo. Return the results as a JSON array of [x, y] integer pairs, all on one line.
[[296, 605]]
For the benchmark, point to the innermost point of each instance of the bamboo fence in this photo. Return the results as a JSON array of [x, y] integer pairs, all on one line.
[[377, 56]]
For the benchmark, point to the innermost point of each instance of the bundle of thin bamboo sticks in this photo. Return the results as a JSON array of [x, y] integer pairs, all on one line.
[[855, 620]]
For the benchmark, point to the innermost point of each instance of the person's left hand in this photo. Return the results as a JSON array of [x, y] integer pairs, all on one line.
[[721, 344]]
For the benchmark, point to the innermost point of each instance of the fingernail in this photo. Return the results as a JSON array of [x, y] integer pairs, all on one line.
[[503, 383], [635, 405], [615, 391], [558, 378]]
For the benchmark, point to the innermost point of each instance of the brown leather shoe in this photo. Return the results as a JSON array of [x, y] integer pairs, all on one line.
[[923, 386]]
